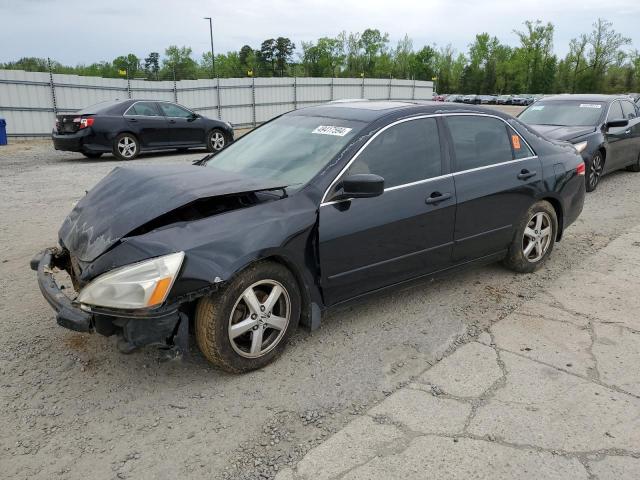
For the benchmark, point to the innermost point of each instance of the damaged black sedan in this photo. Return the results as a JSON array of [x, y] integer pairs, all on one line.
[[316, 208]]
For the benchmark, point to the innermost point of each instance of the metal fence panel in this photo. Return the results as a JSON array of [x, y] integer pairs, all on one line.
[[28, 100]]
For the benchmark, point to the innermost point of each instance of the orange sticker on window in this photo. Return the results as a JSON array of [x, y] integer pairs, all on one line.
[[515, 139]]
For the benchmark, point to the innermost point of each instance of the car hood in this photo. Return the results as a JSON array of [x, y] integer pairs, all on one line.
[[563, 133], [130, 197]]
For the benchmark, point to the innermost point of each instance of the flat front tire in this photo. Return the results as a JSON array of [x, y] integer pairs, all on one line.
[[126, 146], [247, 324], [534, 239]]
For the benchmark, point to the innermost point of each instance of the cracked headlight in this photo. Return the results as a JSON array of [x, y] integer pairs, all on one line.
[[139, 285], [580, 146]]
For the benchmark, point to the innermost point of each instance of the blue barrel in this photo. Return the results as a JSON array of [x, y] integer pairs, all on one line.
[[3, 131]]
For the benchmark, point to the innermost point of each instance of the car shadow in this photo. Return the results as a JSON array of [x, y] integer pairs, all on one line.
[[108, 157]]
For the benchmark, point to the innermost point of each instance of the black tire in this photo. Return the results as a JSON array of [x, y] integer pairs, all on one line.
[[92, 155], [594, 167], [217, 140], [126, 146], [636, 166], [217, 313], [517, 259]]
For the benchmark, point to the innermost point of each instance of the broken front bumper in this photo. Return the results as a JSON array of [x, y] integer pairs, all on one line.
[[138, 328]]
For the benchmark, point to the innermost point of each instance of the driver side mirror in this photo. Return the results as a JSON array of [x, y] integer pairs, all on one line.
[[360, 185], [616, 124]]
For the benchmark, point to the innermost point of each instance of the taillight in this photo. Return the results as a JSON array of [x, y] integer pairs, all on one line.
[[581, 169], [86, 122]]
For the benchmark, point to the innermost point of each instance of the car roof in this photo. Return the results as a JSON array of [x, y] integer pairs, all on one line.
[[588, 97], [369, 111]]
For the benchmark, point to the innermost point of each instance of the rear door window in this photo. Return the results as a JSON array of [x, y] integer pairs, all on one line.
[[146, 109], [404, 153], [482, 141]]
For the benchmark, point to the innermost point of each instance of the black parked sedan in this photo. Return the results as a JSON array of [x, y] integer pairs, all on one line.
[[129, 127], [605, 129], [315, 208]]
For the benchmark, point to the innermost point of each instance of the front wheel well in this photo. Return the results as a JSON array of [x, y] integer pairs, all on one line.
[[305, 297], [557, 206]]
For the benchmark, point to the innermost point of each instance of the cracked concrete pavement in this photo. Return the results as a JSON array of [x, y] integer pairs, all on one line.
[[550, 391]]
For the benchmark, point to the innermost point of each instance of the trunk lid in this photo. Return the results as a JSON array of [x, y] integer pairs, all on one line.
[[67, 123], [130, 197]]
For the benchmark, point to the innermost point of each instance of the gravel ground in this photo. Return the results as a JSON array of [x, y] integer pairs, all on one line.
[[72, 407]]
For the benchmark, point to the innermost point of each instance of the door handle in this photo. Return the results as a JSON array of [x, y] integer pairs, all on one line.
[[437, 197], [172, 121], [132, 120], [526, 174]]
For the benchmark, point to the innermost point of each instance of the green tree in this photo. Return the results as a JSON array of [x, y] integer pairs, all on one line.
[[534, 54], [152, 65], [178, 60], [283, 53], [373, 44], [129, 63], [605, 44]]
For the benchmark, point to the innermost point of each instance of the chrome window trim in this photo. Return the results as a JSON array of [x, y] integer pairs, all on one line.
[[426, 180], [485, 167]]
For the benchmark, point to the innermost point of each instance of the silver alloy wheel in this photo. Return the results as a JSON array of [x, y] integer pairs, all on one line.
[[259, 318], [595, 170], [217, 141], [127, 147], [537, 237]]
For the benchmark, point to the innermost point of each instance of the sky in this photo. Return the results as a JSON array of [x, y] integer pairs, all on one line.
[[87, 31]]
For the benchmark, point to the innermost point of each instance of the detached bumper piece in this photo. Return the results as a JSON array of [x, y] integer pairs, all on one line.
[[138, 328], [68, 315]]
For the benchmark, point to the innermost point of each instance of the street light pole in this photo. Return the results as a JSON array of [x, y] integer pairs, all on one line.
[[213, 58]]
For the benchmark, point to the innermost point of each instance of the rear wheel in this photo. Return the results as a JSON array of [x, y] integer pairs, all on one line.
[[126, 146], [594, 165], [534, 239], [247, 324], [92, 154], [216, 140]]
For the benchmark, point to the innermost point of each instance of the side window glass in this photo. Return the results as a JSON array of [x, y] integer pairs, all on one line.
[[405, 153], [628, 110], [615, 112], [144, 108], [480, 141], [519, 146], [171, 110]]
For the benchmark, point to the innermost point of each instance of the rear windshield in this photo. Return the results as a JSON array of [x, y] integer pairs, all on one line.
[[291, 149], [570, 113]]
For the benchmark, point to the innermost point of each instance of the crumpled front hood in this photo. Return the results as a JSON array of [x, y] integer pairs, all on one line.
[[130, 197], [563, 133]]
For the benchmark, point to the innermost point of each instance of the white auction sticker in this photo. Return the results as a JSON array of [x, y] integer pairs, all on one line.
[[331, 130], [590, 105]]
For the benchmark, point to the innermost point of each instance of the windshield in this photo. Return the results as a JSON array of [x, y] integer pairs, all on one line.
[[566, 113], [291, 149]]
